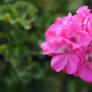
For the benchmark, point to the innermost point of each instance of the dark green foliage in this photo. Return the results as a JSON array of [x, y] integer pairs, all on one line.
[[23, 68]]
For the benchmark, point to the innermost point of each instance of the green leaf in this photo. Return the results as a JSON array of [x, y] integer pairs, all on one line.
[[23, 13]]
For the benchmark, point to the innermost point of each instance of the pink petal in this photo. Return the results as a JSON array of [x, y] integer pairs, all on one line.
[[83, 12], [83, 38], [45, 48], [58, 27], [72, 64], [74, 27], [85, 72], [59, 44], [76, 74], [59, 20], [52, 31], [76, 19], [58, 62], [66, 20], [89, 25]]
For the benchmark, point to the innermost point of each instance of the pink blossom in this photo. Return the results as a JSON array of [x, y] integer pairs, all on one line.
[[58, 26], [82, 16], [77, 35], [69, 42], [72, 32], [53, 31], [65, 57], [85, 70], [83, 12]]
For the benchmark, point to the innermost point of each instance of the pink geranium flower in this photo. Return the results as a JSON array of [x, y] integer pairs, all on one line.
[[66, 58], [69, 42], [85, 70], [56, 28], [77, 35]]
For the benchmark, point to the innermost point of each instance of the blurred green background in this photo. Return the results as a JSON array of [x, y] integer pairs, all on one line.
[[23, 68]]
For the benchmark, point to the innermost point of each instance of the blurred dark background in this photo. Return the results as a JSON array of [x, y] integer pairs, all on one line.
[[23, 68]]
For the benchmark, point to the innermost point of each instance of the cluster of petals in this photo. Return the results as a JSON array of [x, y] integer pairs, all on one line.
[[69, 42]]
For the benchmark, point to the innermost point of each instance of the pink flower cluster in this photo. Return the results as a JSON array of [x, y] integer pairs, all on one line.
[[69, 42]]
